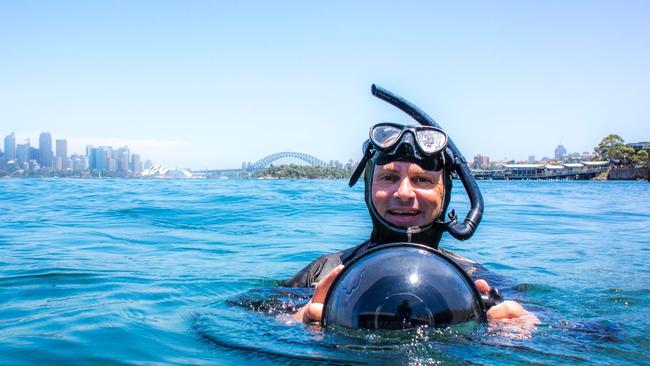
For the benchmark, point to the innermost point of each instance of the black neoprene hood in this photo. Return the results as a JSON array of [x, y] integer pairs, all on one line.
[[451, 161], [384, 232]]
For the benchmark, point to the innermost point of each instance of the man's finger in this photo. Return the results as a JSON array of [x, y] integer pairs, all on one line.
[[506, 310], [482, 286]]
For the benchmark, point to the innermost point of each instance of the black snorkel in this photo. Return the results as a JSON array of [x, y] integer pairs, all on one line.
[[455, 159]]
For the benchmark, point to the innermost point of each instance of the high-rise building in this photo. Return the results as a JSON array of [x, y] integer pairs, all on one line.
[[58, 163], [61, 155], [45, 155], [79, 163], [62, 149], [531, 158], [560, 151], [22, 152], [111, 165], [10, 147], [33, 153], [123, 155], [136, 164], [98, 159]]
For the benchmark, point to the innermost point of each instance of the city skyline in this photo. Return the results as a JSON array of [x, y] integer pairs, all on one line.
[[46, 158], [205, 85], [62, 146]]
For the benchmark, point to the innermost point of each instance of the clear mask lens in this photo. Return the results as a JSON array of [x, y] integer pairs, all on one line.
[[431, 141], [385, 135]]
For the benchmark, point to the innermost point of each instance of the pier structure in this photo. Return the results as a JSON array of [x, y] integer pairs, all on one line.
[[573, 171]]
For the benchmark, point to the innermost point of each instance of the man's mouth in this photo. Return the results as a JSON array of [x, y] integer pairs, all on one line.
[[403, 212]]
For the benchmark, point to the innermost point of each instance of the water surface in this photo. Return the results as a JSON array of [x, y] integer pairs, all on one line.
[[165, 272]]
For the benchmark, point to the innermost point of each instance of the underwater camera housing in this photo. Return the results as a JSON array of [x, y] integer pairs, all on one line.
[[400, 286]]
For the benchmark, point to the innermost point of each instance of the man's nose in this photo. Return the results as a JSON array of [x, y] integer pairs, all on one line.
[[405, 190]]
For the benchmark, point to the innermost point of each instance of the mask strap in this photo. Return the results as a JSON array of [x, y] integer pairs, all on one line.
[[362, 165]]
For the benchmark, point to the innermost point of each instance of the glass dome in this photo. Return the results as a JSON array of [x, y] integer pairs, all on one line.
[[399, 286]]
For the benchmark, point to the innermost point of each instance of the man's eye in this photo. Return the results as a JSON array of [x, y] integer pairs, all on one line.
[[423, 180], [388, 178]]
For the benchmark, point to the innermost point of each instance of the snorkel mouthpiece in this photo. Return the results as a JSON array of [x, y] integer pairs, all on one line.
[[451, 156]]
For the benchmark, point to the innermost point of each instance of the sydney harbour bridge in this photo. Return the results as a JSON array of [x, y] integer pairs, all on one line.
[[279, 158]]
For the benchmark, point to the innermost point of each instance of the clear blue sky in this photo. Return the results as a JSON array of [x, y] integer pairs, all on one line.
[[211, 84]]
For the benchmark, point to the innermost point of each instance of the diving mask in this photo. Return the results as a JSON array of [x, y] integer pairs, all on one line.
[[390, 142], [429, 140]]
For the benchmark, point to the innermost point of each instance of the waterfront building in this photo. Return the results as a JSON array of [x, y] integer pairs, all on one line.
[[33, 153], [62, 148], [45, 155], [34, 165], [531, 158], [22, 152], [10, 147], [136, 164], [578, 170], [123, 154], [639, 145], [585, 156], [58, 163], [111, 165], [10, 166], [79, 163], [98, 159], [560, 151], [481, 162]]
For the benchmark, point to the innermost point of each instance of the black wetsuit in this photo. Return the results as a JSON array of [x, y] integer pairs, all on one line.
[[323, 265]]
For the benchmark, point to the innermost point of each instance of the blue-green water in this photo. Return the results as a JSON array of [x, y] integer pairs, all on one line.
[[154, 272]]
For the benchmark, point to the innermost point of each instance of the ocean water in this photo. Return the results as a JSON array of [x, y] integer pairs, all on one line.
[[130, 272]]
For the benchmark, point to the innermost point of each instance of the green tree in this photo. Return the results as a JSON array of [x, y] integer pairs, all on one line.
[[293, 171], [641, 157], [622, 153], [604, 148]]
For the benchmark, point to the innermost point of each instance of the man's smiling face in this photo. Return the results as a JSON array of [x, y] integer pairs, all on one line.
[[406, 195]]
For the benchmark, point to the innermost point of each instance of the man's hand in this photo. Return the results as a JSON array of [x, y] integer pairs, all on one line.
[[509, 317], [313, 311], [508, 314]]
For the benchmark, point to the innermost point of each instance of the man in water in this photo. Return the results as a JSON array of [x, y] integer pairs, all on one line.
[[407, 193]]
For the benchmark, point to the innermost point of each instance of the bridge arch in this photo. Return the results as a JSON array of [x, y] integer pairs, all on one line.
[[267, 160]]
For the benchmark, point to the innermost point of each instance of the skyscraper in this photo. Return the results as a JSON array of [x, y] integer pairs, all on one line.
[[560, 151], [22, 152], [136, 164], [45, 150], [100, 158], [33, 153], [62, 149], [10, 147], [123, 154], [61, 154]]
